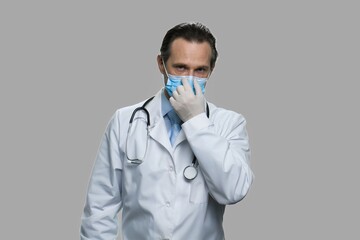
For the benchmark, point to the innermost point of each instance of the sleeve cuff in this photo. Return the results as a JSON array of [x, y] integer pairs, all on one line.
[[196, 123]]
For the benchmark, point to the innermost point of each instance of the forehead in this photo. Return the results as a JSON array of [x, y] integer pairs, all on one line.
[[185, 52]]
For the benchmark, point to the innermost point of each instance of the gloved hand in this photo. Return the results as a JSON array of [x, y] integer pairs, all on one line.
[[186, 103]]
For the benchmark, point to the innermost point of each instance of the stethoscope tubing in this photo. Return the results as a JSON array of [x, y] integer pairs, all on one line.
[[194, 162], [143, 109]]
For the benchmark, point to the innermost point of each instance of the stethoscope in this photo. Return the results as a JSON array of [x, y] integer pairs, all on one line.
[[190, 172]]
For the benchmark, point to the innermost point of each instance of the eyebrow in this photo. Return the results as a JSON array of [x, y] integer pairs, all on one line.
[[179, 65], [186, 66]]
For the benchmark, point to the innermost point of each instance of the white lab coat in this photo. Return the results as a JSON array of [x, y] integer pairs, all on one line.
[[157, 202]]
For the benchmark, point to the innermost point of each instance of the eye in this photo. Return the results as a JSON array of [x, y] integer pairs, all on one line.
[[180, 68], [201, 70]]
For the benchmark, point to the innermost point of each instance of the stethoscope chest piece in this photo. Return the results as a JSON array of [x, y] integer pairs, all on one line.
[[136, 144], [190, 172]]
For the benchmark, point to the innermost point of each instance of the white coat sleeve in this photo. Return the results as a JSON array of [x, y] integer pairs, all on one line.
[[103, 202], [223, 152]]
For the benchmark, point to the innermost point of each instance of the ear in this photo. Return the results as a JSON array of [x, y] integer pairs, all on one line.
[[160, 64]]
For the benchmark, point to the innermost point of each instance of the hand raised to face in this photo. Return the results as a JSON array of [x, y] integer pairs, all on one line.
[[186, 103]]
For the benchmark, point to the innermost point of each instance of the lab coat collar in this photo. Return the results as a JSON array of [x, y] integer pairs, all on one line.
[[165, 108], [157, 128]]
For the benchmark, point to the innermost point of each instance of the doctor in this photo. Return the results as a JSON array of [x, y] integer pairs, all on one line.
[[172, 170]]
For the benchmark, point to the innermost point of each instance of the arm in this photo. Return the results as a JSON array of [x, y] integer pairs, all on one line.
[[222, 149], [103, 202], [223, 153]]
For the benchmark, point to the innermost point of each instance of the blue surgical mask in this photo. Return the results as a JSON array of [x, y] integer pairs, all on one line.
[[174, 81]]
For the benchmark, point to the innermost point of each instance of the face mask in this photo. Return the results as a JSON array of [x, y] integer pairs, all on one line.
[[174, 81]]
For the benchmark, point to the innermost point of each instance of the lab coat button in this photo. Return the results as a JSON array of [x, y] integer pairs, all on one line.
[[168, 204], [171, 169]]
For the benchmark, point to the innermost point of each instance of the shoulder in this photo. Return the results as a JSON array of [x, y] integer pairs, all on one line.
[[226, 121], [121, 116], [126, 112], [224, 115]]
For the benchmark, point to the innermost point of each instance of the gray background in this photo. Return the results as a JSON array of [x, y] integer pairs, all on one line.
[[290, 67]]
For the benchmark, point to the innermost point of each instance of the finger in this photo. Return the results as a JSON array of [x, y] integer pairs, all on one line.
[[198, 91], [180, 89], [175, 95], [172, 102], [185, 83]]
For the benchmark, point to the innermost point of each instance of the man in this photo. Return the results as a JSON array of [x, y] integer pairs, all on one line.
[[173, 179]]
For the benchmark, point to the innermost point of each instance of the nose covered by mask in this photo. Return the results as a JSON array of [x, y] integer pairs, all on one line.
[[174, 81]]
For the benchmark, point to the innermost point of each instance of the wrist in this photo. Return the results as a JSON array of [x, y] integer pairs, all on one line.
[[196, 123]]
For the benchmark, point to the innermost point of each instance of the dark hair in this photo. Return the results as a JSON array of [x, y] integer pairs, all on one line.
[[192, 32]]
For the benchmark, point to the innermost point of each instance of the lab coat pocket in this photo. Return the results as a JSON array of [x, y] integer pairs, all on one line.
[[198, 190]]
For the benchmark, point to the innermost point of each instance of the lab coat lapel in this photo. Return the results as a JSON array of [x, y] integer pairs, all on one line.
[[181, 137], [157, 129]]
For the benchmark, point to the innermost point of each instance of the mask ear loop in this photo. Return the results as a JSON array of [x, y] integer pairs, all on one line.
[[167, 74]]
